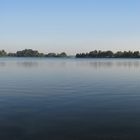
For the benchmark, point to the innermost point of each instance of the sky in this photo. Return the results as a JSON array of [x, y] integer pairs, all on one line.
[[72, 26]]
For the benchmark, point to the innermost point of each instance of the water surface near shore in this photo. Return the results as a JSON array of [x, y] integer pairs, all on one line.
[[69, 99]]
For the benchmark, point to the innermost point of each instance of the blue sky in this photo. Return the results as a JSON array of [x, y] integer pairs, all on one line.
[[69, 25]]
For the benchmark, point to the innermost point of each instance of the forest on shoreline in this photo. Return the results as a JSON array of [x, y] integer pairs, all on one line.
[[109, 54], [30, 53], [92, 54]]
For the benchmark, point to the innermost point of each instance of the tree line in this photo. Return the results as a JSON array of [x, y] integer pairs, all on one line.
[[30, 53], [109, 54], [92, 54]]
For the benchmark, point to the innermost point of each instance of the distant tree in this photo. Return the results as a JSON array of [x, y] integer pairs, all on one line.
[[2, 53], [41, 54], [11, 54], [109, 54], [118, 54], [63, 54], [93, 54], [136, 54], [51, 55], [27, 53]]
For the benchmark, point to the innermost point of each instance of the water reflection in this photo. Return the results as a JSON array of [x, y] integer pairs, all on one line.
[[110, 63], [128, 64], [61, 63], [28, 64], [96, 64], [56, 64], [2, 64], [66, 99]]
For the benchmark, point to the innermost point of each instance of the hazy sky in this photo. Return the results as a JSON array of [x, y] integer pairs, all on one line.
[[69, 25]]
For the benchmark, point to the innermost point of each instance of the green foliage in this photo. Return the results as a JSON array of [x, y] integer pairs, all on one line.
[[63, 54], [31, 53], [92, 54], [109, 54], [27, 53], [2, 53]]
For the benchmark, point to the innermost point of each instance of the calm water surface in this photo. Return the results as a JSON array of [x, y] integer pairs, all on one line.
[[69, 99]]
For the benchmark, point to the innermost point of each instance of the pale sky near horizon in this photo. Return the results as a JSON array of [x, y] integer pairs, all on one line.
[[69, 25]]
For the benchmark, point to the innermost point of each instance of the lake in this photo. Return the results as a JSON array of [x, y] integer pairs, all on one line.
[[69, 99]]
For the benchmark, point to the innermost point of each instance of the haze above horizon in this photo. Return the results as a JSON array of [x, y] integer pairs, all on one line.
[[71, 26]]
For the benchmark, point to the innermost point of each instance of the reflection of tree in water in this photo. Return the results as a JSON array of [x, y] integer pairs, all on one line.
[[101, 64], [95, 64], [28, 64], [39, 63], [128, 64], [109, 64], [56, 64], [2, 64]]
